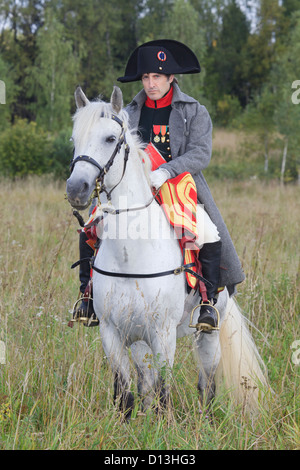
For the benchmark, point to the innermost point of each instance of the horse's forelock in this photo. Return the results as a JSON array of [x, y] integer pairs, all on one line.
[[86, 117], [94, 110]]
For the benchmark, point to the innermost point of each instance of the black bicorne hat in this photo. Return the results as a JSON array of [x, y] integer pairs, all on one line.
[[160, 56]]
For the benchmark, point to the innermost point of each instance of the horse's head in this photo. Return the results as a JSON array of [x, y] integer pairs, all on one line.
[[99, 137]]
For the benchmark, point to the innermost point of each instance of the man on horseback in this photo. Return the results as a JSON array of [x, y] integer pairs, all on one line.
[[181, 130]]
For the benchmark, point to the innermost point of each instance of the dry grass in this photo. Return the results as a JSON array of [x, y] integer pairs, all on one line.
[[55, 384], [223, 139]]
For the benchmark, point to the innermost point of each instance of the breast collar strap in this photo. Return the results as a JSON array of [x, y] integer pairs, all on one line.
[[105, 169]]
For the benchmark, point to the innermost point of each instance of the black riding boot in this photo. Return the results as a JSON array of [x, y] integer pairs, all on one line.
[[85, 251], [84, 310], [210, 257]]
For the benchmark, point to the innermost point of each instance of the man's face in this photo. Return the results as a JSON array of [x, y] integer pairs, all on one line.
[[156, 85]]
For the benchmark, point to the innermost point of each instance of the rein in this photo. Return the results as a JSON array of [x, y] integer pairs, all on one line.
[[110, 210]]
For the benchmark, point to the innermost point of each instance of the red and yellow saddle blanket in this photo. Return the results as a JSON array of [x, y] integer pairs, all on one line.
[[178, 198]]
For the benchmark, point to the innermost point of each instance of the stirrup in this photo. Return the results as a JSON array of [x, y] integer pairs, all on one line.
[[205, 327], [78, 316]]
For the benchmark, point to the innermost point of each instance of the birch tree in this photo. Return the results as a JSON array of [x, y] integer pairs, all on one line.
[[285, 73], [52, 79]]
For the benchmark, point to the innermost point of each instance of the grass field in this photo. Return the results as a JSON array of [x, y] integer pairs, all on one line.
[[56, 389]]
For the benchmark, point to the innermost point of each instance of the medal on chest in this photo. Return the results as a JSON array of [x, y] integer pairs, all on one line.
[[159, 133], [156, 131], [163, 131]]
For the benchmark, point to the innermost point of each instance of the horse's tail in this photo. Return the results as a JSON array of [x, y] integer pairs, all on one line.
[[241, 368]]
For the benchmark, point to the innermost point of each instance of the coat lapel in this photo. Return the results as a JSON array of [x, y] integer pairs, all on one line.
[[176, 124]]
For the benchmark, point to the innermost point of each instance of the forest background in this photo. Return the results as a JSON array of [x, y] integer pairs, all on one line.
[[250, 80], [56, 389]]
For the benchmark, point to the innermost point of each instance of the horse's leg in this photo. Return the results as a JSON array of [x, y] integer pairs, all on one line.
[[118, 358], [143, 360], [208, 352], [163, 347], [123, 394]]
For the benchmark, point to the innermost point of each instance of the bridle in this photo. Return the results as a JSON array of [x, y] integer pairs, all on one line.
[[100, 186]]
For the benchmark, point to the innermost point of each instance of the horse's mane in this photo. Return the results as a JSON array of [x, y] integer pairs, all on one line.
[[86, 117]]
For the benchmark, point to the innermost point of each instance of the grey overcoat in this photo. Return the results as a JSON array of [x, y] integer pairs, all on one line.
[[190, 130]]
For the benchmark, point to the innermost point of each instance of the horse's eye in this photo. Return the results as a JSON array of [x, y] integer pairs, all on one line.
[[111, 139]]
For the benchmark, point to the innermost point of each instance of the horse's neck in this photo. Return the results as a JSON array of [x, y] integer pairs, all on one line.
[[141, 236], [133, 190]]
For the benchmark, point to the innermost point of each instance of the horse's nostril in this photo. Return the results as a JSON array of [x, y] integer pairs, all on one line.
[[85, 187]]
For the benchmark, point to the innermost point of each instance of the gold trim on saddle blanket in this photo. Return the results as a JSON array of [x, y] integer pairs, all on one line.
[[178, 198]]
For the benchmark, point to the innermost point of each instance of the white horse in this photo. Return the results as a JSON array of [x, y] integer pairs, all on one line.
[[139, 309]]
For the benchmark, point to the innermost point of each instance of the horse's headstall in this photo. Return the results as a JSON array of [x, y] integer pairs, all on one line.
[[85, 158], [121, 141], [105, 169]]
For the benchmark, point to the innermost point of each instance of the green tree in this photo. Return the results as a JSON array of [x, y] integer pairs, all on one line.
[[210, 17], [6, 110], [20, 22], [259, 117], [153, 17], [53, 77], [275, 110], [285, 72], [263, 45], [182, 24], [24, 150], [103, 35], [225, 55], [290, 6]]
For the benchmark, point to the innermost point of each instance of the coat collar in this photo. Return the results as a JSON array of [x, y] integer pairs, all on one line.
[[162, 102], [178, 97]]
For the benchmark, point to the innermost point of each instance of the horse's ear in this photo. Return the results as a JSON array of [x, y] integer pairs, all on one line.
[[80, 98], [116, 99]]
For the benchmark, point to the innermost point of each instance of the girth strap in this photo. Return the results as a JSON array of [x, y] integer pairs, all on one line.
[[181, 269]]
